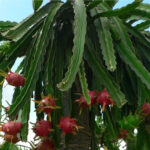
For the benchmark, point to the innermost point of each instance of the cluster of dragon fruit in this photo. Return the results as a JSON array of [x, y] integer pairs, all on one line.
[[43, 128]]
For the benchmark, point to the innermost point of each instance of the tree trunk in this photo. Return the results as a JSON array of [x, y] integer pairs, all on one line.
[[82, 140]]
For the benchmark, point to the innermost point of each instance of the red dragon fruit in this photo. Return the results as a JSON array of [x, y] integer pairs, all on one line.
[[11, 138], [104, 99], [45, 144], [93, 96], [47, 104], [12, 127], [123, 134], [15, 79], [68, 125], [146, 109], [82, 101], [42, 128]]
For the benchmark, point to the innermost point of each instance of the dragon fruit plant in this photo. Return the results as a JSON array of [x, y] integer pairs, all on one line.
[[69, 47]]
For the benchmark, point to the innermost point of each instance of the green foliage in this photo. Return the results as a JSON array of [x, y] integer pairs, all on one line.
[[119, 12], [36, 65], [106, 41], [69, 48], [130, 122], [18, 31], [84, 84], [8, 146], [24, 120], [103, 76], [4, 46], [36, 4], [78, 49], [93, 4], [5, 25], [1, 100], [144, 25]]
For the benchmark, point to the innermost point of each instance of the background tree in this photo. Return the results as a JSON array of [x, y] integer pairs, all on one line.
[[69, 48]]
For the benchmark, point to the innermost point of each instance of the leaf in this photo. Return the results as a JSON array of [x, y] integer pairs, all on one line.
[[20, 67], [143, 50], [103, 75], [31, 55], [38, 96], [94, 128], [8, 146], [128, 87], [62, 59], [120, 29], [49, 67], [59, 66], [142, 13], [118, 12], [111, 3], [13, 147], [142, 26], [130, 76], [123, 34], [138, 35], [36, 64], [18, 31], [110, 124], [7, 24], [143, 93], [36, 4], [5, 146], [15, 94], [93, 4], [126, 52], [78, 48], [4, 48], [129, 58], [25, 119], [1, 101], [14, 51], [140, 139], [129, 122], [144, 6], [105, 40], [84, 84], [139, 15]]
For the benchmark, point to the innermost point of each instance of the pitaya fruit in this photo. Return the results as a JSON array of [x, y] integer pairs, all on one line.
[[47, 104], [146, 109], [46, 144], [11, 138], [104, 99], [123, 134], [68, 125], [12, 127], [42, 128], [15, 79], [82, 101]]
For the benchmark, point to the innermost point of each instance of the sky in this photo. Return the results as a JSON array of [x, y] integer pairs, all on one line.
[[17, 10]]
